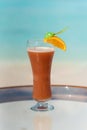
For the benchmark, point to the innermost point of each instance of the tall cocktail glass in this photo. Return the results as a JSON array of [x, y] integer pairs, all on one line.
[[41, 55]]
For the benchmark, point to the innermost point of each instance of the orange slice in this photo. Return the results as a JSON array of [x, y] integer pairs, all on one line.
[[56, 41]]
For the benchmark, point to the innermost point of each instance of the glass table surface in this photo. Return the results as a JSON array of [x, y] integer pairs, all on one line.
[[70, 109]]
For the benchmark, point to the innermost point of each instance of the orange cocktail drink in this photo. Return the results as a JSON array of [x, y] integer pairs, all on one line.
[[41, 60], [41, 54]]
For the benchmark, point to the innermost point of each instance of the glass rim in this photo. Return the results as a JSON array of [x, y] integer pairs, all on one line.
[[38, 42], [35, 40]]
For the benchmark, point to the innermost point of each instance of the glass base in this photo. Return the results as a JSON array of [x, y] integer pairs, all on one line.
[[42, 106]]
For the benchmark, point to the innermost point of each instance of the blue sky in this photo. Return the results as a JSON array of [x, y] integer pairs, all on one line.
[[27, 19]]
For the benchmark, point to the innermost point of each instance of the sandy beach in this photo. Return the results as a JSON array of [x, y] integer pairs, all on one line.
[[19, 73]]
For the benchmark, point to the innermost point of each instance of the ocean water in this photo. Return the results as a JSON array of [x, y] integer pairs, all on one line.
[[22, 20]]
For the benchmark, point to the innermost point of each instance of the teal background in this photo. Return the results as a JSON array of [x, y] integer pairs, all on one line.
[[28, 19]]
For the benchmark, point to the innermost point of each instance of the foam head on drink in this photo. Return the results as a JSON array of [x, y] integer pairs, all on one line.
[[41, 60]]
